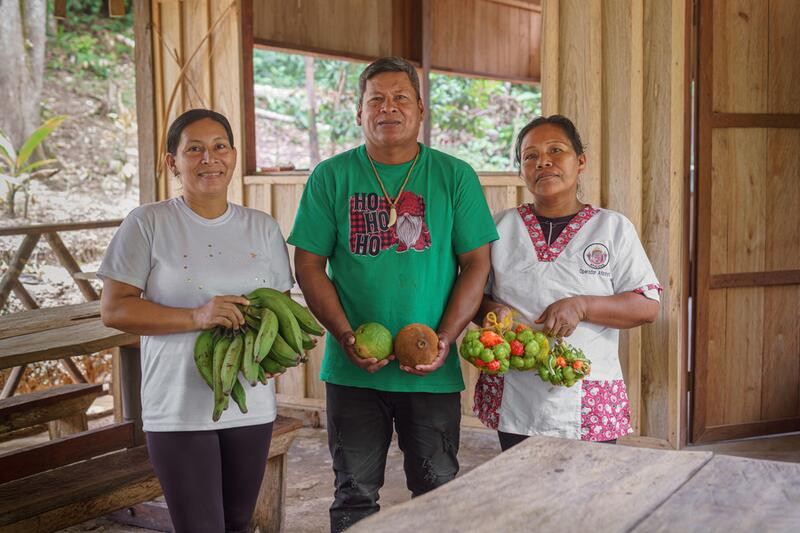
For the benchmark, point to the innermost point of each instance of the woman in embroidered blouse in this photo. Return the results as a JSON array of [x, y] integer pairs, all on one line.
[[571, 270]]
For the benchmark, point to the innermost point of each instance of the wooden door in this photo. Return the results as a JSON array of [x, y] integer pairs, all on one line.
[[746, 375]]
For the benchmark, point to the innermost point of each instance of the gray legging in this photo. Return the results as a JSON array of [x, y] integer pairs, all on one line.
[[211, 478]]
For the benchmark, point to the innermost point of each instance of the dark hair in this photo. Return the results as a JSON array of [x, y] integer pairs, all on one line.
[[190, 117], [387, 64], [557, 120]]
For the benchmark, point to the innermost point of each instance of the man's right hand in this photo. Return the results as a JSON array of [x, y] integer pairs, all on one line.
[[347, 341]]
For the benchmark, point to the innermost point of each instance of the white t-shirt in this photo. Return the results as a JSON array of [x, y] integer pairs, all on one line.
[[598, 254], [180, 259]]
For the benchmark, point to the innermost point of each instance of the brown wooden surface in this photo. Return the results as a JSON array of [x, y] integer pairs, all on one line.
[[47, 398], [78, 339], [33, 229], [145, 117], [616, 486], [361, 27], [147, 515], [68, 495], [38, 320], [733, 494], [68, 262], [37, 407], [748, 222], [38, 458], [11, 275], [488, 37]]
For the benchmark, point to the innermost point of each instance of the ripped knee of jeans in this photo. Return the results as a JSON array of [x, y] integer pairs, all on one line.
[[428, 472]]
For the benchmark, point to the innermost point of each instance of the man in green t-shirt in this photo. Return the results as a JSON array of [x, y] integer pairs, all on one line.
[[405, 231]]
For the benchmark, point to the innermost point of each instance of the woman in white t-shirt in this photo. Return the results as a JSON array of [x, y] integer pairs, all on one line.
[[571, 270], [175, 268]]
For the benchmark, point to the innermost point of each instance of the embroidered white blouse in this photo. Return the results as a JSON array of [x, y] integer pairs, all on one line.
[[597, 254]]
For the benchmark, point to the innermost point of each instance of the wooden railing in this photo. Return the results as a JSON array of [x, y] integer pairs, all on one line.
[[10, 281]]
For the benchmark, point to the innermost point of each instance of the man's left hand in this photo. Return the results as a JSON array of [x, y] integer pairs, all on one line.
[[424, 370]]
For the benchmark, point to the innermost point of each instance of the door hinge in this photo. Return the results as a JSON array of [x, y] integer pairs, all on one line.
[[689, 381]]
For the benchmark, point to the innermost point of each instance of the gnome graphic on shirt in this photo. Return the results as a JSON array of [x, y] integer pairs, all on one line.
[[410, 228]]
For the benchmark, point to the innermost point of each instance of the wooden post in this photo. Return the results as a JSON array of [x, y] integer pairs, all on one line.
[[17, 264], [130, 385], [69, 263], [145, 105], [426, 71]]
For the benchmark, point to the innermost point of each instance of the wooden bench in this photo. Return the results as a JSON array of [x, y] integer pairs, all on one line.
[[62, 408], [83, 480]]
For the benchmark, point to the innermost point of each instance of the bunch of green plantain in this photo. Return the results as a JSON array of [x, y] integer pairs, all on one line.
[[276, 333]]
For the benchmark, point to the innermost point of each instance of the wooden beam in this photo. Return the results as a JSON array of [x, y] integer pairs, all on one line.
[[69, 263], [78, 447], [145, 105], [755, 120], [22, 293], [550, 57], [249, 144], [12, 382], [520, 4], [32, 229], [18, 262], [427, 42], [755, 279]]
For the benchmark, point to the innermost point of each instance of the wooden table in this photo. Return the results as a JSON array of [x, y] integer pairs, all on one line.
[[56, 332], [549, 484]]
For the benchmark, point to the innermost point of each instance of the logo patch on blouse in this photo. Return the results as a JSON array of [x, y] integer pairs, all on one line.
[[370, 232], [596, 255]]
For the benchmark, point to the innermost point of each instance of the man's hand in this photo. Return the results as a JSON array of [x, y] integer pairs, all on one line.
[[562, 317], [348, 342], [424, 370]]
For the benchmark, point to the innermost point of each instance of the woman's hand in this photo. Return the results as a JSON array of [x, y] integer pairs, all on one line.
[[347, 341], [501, 313], [562, 317], [220, 311]]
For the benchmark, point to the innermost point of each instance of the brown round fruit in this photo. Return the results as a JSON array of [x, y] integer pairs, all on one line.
[[416, 344]]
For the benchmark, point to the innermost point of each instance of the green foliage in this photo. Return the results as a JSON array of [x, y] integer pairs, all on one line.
[[477, 120], [16, 172], [89, 41], [473, 119]]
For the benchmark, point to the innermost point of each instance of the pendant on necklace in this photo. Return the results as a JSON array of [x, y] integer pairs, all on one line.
[[392, 216]]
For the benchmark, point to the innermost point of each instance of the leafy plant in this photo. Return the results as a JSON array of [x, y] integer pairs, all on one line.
[[16, 172]]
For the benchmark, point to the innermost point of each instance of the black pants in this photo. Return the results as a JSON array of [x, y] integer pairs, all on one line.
[[509, 440], [360, 432], [211, 478]]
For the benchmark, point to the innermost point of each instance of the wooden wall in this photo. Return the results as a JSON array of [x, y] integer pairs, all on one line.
[[617, 68], [748, 236], [479, 37], [196, 62]]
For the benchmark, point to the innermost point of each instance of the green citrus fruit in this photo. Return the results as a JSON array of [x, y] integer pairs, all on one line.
[[373, 340]]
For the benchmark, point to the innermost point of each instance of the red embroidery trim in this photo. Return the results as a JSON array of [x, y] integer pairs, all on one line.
[[649, 286], [487, 399], [547, 253]]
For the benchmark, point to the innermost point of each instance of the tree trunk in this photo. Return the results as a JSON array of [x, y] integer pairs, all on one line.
[[22, 45], [313, 137]]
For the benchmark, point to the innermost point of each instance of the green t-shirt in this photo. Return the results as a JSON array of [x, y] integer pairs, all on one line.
[[392, 275]]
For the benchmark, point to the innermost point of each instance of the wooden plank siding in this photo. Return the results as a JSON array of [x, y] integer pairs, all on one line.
[[747, 347], [617, 68]]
